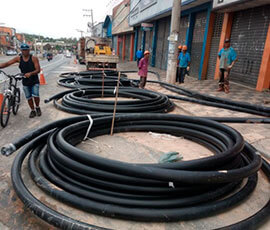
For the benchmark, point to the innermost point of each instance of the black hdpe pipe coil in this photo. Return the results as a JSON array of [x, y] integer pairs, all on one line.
[[166, 192], [85, 101], [195, 97], [90, 73], [80, 82], [188, 95], [94, 78]]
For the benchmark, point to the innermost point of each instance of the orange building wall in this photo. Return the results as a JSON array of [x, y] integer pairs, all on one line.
[[3, 39], [264, 75], [20, 37]]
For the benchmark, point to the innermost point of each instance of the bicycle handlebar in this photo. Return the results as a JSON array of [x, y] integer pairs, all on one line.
[[14, 76]]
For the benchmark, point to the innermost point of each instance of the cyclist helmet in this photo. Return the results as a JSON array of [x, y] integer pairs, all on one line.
[[25, 46]]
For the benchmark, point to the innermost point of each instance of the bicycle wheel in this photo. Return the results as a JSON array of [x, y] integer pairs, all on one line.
[[5, 111], [17, 100]]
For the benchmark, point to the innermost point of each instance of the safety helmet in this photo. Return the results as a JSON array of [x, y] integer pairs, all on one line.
[[146, 52], [180, 47], [25, 46], [184, 47]]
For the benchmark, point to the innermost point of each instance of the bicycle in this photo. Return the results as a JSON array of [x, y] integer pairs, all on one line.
[[12, 98]]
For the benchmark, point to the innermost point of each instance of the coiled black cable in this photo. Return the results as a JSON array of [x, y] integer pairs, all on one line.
[[84, 79], [203, 99], [90, 73], [94, 78], [139, 192], [80, 82], [84, 101]]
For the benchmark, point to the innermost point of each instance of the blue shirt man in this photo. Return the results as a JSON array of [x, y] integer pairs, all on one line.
[[139, 56], [227, 57], [184, 59], [184, 62]]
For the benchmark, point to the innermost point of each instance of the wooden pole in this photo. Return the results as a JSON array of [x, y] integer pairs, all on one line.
[[115, 103], [103, 76]]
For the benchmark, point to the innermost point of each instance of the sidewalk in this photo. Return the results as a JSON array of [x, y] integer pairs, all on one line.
[[237, 91]]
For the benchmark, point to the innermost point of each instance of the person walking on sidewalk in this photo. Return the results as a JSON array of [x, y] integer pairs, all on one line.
[[184, 62], [143, 69], [227, 57], [178, 67], [29, 66], [139, 56]]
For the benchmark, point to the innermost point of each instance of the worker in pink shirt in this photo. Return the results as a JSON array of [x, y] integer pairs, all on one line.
[[143, 69]]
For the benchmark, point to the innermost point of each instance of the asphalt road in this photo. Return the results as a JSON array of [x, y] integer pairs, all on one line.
[[12, 215], [20, 124]]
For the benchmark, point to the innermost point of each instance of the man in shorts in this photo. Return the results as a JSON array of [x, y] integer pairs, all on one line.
[[29, 66], [227, 57]]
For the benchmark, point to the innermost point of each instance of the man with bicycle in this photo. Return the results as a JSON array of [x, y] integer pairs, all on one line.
[[29, 66]]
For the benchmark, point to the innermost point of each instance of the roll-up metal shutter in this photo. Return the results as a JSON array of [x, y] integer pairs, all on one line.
[[197, 43], [120, 47], [162, 43], [140, 39], [215, 46], [160, 38], [249, 31], [166, 43], [127, 47], [183, 30], [148, 40]]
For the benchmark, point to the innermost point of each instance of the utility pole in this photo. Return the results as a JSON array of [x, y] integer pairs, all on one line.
[[35, 47], [89, 13], [173, 42], [92, 18]]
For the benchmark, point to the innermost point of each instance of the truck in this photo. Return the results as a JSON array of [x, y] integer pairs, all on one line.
[[99, 54], [81, 50]]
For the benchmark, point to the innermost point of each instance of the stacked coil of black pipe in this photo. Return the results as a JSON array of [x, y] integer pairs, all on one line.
[[88, 101], [90, 73], [208, 100], [143, 192], [95, 78]]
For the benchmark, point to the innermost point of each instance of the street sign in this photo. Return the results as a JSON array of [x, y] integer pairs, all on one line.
[[147, 28], [147, 25], [223, 3]]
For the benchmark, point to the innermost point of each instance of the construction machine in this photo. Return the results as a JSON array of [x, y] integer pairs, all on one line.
[[99, 55]]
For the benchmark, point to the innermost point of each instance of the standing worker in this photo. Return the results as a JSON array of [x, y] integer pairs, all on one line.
[[177, 70], [184, 62], [139, 56], [143, 69], [29, 66], [227, 57]]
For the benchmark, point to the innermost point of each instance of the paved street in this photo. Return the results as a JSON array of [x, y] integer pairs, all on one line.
[[130, 147]]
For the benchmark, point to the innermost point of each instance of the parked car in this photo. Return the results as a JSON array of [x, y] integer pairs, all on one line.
[[68, 55], [49, 56], [11, 53]]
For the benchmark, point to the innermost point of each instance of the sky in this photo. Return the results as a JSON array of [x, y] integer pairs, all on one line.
[[53, 18]]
